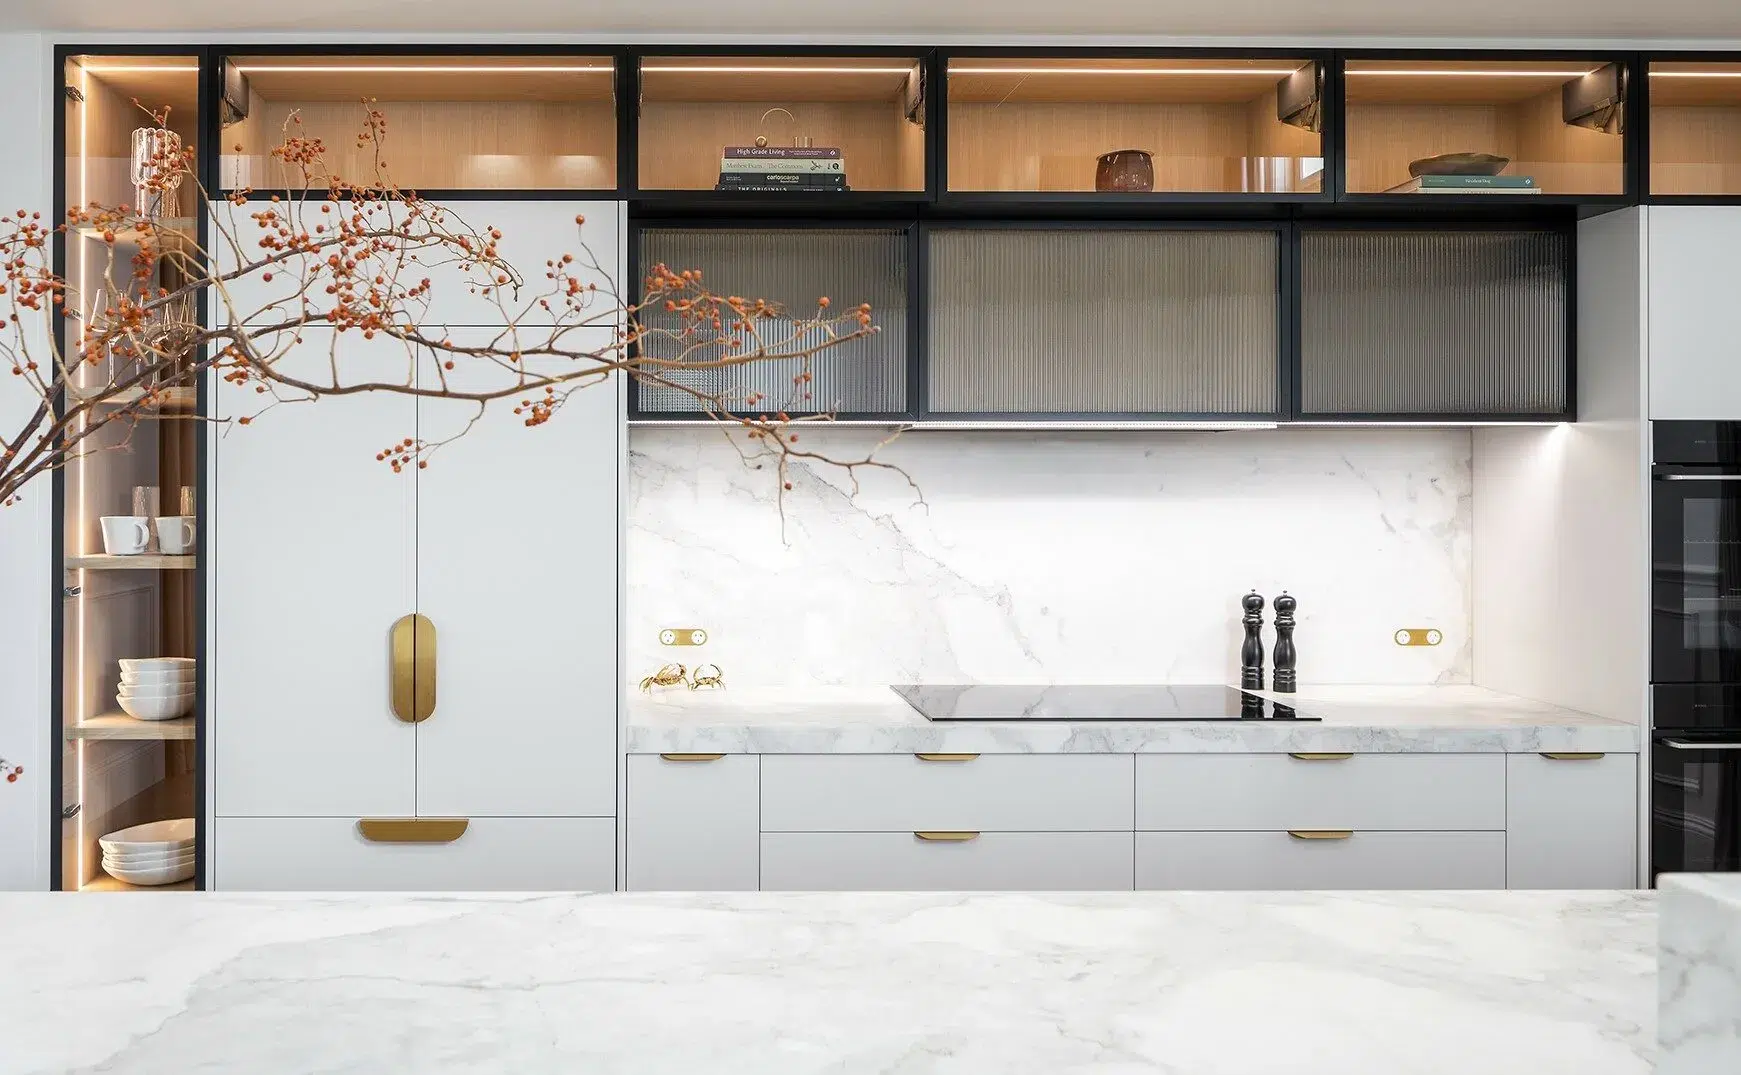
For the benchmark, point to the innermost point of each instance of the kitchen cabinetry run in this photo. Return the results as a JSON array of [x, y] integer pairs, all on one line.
[[504, 546], [1114, 821], [1694, 319]]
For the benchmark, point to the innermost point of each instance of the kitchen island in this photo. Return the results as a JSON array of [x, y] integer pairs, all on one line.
[[1532, 983]]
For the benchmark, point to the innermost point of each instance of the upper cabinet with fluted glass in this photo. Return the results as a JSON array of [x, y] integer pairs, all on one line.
[[1083, 125], [1503, 128], [451, 122], [1695, 128], [808, 128]]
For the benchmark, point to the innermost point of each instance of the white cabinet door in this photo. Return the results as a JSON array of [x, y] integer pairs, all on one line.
[[1281, 861], [496, 854], [517, 569], [1695, 322], [903, 861], [311, 563], [692, 823], [1571, 821]]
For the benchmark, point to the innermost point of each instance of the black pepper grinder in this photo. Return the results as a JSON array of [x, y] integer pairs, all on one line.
[[1285, 655], [1251, 650]]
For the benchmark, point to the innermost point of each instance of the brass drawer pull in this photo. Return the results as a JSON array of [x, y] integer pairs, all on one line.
[[1572, 756], [413, 646], [1321, 757], [1320, 834], [692, 757], [946, 837], [412, 830], [946, 757]]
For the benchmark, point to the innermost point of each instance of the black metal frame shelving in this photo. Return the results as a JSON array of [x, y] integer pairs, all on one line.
[[1639, 117]]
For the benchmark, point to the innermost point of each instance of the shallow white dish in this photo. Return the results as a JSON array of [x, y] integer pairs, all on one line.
[[169, 835], [159, 677], [157, 875], [147, 862], [156, 664], [166, 708], [171, 691]]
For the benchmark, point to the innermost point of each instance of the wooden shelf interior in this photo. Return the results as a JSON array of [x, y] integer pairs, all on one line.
[[100, 127], [694, 106], [1402, 110], [102, 882], [144, 561], [120, 726], [1039, 124], [453, 122], [1695, 128]]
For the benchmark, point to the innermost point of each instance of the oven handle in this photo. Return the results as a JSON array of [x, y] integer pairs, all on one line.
[[1682, 744], [1700, 477]]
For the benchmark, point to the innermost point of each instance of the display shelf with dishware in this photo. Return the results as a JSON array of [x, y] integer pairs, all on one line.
[[798, 127], [460, 119], [1692, 103], [1084, 126], [1547, 126], [129, 621]]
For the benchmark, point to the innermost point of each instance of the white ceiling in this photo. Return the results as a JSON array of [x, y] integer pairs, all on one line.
[[1683, 21]]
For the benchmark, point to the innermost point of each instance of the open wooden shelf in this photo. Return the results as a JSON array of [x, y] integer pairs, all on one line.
[[104, 883], [120, 726], [166, 228], [145, 561], [1396, 111], [1040, 124], [169, 399], [1695, 128]]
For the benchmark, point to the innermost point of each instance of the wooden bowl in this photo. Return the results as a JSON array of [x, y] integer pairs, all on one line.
[[1459, 164]]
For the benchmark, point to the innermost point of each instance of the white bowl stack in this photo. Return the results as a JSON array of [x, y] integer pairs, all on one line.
[[156, 688], [155, 853]]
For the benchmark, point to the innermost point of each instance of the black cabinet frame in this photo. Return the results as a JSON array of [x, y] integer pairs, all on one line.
[[1641, 95]]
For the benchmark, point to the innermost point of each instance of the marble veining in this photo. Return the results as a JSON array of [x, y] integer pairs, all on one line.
[[822, 720], [1500, 983], [1699, 969], [1064, 557]]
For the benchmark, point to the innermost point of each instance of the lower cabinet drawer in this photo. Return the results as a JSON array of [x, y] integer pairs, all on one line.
[[494, 854], [1278, 860], [893, 861], [691, 824]]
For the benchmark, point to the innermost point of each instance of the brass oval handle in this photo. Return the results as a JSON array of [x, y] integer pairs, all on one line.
[[1322, 757], [692, 757], [946, 757], [1571, 756], [412, 830], [946, 837], [1320, 834], [413, 647]]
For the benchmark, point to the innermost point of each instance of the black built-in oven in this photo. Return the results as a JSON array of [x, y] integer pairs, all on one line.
[[1695, 635]]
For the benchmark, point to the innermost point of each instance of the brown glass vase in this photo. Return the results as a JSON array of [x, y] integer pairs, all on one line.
[[1125, 170]]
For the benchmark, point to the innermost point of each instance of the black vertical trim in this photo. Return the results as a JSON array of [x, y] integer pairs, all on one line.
[[210, 148], [633, 292], [1288, 360], [918, 318], [1334, 133], [1570, 255], [937, 124], [628, 100], [1637, 132], [57, 506]]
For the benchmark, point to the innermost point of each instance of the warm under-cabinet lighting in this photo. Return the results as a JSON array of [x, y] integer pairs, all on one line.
[[1278, 72], [422, 69], [765, 69], [144, 69], [1695, 74], [1433, 72]]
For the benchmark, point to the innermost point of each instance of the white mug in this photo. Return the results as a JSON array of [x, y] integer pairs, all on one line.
[[126, 535], [175, 534]]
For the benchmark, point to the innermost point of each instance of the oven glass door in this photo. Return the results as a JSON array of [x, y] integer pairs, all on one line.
[[1696, 576], [1696, 805]]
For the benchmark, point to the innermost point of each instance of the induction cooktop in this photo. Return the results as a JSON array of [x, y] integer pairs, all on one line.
[[991, 701]]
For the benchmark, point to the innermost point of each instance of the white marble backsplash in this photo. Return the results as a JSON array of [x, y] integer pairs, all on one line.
[[1052, 557]]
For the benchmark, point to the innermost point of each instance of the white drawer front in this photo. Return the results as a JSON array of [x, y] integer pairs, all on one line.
[[327, 854], [1277, 860], [901, 792], [692, 823], [897, 861], [1571, 821], [1252, 792]]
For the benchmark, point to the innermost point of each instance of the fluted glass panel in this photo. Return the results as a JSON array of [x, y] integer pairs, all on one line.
[[1425, 322], [792, 267], [1099, 321]]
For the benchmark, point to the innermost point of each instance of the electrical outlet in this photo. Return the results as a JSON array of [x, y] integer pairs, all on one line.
[[1419, 636], [683, 636]]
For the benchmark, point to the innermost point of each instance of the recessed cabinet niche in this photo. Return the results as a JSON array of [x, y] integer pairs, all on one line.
[[457, 122], [1416, 322], [1555, 124], [1209, 125], [1695, 128]]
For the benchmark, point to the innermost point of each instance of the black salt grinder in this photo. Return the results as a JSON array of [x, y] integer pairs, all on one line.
[[1285, 655], [1251, 650]]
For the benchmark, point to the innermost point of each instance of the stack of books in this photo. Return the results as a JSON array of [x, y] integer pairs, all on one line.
[[763, 168], [1468, 184]]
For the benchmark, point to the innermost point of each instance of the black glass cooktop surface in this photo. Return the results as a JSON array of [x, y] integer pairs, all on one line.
[[992, 701]]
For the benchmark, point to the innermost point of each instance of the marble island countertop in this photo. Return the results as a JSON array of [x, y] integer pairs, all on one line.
[[874, 720], [1500, 983]]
